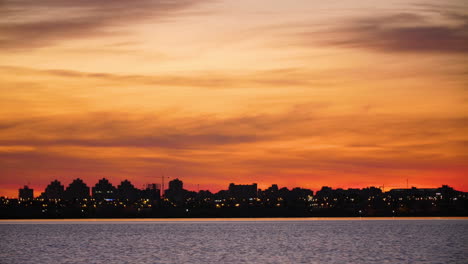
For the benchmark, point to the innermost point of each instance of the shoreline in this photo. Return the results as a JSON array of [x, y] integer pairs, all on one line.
[[245, 219]]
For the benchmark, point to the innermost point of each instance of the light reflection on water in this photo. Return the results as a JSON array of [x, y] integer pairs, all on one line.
[[235, 241]]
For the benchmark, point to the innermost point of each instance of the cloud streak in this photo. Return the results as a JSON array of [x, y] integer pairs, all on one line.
[[209, 131], [43, 24], [403, 32], [274, 78], [297, 144]]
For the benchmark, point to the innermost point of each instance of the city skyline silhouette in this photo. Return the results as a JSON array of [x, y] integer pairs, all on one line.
[[104, 200]]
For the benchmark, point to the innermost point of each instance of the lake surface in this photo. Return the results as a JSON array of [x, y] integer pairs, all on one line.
[[235, 241]]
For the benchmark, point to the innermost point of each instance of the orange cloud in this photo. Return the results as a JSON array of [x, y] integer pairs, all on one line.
[[293, 146], [131, 90], [40, 25]]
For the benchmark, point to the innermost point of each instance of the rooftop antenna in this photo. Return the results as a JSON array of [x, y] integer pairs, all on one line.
[[407, 183], [162, 182], [162, 185]]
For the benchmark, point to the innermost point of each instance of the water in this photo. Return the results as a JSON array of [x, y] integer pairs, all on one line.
[[280, 241]]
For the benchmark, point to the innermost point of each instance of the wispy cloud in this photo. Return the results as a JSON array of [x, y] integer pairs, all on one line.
[[29, 24], [113, 129], [274, 78], [298, 144], [403, 32]]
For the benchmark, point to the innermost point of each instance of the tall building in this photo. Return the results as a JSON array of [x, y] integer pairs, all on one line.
[[239, 191], [127, 192], [54, 190], [151, 192], [77, 190], [176, 185], [176, 192], [26, 193], [272, 193], [104, 190]]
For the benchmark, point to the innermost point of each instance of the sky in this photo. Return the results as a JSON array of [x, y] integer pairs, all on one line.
[[302, 93]]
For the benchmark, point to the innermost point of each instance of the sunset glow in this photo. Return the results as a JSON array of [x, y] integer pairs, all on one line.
[[295, 93]]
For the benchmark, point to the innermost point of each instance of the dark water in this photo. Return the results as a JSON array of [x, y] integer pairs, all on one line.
[[348, 241]]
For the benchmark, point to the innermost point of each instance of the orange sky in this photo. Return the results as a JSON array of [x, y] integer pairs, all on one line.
[[297, 93]]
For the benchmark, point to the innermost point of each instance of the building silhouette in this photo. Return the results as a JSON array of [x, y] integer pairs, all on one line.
[[176, 185], [104, 190], [270, 194], [299, 194], [77, 190], [151, 192], [127, 192], [239, 191], [54, 190], [176, 192], [26, 193], [328, 192], [445, 190]]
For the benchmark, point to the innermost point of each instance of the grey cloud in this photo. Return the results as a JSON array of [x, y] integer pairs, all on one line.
[[400, 143], [117, 130], [32, 24], [145, 130], [404, 32]]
